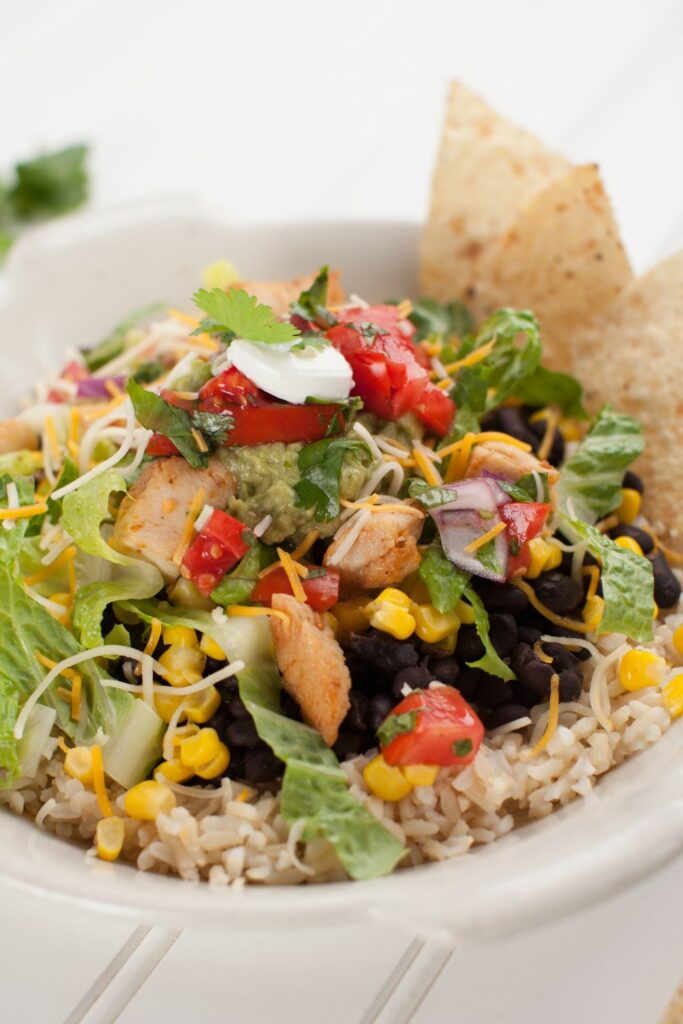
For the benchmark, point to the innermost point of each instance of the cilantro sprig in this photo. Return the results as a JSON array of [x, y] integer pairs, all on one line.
[[235, 314], [321, 466]]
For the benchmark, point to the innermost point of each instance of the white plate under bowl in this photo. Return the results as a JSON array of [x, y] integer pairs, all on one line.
[[67, 284]]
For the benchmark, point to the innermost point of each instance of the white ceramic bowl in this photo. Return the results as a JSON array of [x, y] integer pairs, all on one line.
[[67, 284]]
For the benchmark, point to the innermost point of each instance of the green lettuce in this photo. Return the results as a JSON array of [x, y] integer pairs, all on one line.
[[11, 541], [545, 387], [83, 512], [592, 477], [236, 586], [445, 583], [443, 319]]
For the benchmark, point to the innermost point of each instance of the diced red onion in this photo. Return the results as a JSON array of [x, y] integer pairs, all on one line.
[[461, 521], [96, 387]]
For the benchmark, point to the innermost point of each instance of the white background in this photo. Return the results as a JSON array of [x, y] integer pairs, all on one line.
[[305, 109]]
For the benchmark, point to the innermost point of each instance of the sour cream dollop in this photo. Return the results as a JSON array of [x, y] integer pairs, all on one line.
[[294, 375]]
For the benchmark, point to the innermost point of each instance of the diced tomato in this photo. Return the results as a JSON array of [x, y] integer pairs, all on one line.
[[434, 726], [286, 423], [524, 519], [231, 390], [518, 563], [159, 444], [387, 319], [389, 374], [217, 547], [322, 592]]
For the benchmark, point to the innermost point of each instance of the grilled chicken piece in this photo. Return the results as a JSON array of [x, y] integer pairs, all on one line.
[[384, 552], [507, 461], [152, 517], [16, 435], [313, 669], [279, 294]]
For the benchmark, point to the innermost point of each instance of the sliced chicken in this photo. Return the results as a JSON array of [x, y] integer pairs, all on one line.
[[16, 436], [507, 461], [313, 669], [384, 552], [152, 517], [279, 294]]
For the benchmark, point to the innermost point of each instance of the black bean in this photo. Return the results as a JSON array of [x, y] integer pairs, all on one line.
[[241, 733], [468, 647], [558, 592], [261, 765], [492, 691], [528, 635], [445, 670], [468, 681], [351, 742], [504, 714], [522, 654], [644, 539], [289, 706], [357, 716], [416, 676], [503, 633], [235, 769], [667, 587], [633, 482], [380, 706], [535, 676], [571, 684], [529, 698], [383, 651], [556, 452], [234, 705], [562, 657], [502, 597], [511, 420]]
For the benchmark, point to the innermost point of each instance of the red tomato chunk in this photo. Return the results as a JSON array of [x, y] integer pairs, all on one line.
[[217, 548], [434, 726], [322, 592]]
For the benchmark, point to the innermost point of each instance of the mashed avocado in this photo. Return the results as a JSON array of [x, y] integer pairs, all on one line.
[[265, 476], [405, 430]]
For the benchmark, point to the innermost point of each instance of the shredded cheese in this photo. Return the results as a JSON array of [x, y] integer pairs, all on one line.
[[43, 574], [559, 620], [71, 575], [672, 556], [606, 524], [404, 309], [25, 512], [460, 457], [594, 573], [552, 420], [172, 728], [76, 691], [242, 611], [427, 468], [51, 436], [112, 387], [203, 518], [188, 528], [199, 440], [306, 545], [98, 783], [472, 358], [262, 526], [541, 654], [46, 662], [292, 575], [368, 438], [479, 542], [153, 638], [553, 718]]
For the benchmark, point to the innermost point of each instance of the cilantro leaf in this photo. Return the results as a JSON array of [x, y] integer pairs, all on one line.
[[461, 748], [242, 316], [592, 477], [312, 303], [444, 581], [163, 418], [526, 489], [488, 557], [429, 496], [215, 426], [147, 372], [321, 464], [491, 662], [50, 184], [544, 387], [396, 725]]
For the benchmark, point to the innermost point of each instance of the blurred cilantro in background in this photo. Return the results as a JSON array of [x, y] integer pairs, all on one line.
[[44, 187]]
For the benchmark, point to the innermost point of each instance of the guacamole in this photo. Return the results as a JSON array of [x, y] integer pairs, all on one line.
[[265, 476]]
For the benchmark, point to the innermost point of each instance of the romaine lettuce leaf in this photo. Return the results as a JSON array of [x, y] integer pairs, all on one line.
[[11, 540], [591, 478], [83, 512], [545, 387]]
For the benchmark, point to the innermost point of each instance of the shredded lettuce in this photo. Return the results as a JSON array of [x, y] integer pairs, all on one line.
[[490, 662], [83, 512], [589, 483], [314, 787]]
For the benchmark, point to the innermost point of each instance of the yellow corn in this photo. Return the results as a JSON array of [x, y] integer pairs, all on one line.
[[216, 766], [465, 613], [200, 749], [655, 609], [78, 764], [203, 705], [629, 509], [109, 836], [678, 638], [447, 645], [174, 770], [166, 704], [641, 668], [397, 597], [211, 648], [433, 626], [181, 636], [147, 800], [392, 619], [570, 429], [385, 781], [673, 695], [544, 556], [420, 774], [351, 616], [630, 544], [183, 665], [593, 611]]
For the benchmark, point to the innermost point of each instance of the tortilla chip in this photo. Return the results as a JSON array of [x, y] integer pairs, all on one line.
[[632, 357], [562, 257], [279, 294], [486, 170]]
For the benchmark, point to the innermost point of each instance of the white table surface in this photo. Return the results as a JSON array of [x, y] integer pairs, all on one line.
[[305, 109]]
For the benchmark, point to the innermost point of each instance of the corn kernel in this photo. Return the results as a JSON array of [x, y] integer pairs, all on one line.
[[395, 596], [203, 705], [211, 649], [678, 638], [331, 622], [147, 800], [78, 764], [655, 609], [216, 766], [389, 618], [420, 774], [570, 429], [630, 544], [673, 695], [166, 705], [544, 556], [593, 611], [465, 613], [174, 771], [629, 509], [433, 626], [182, 636], [351, 615], [183, 665], [641, 668], [386, 781], [109, 836], [200, 749]]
